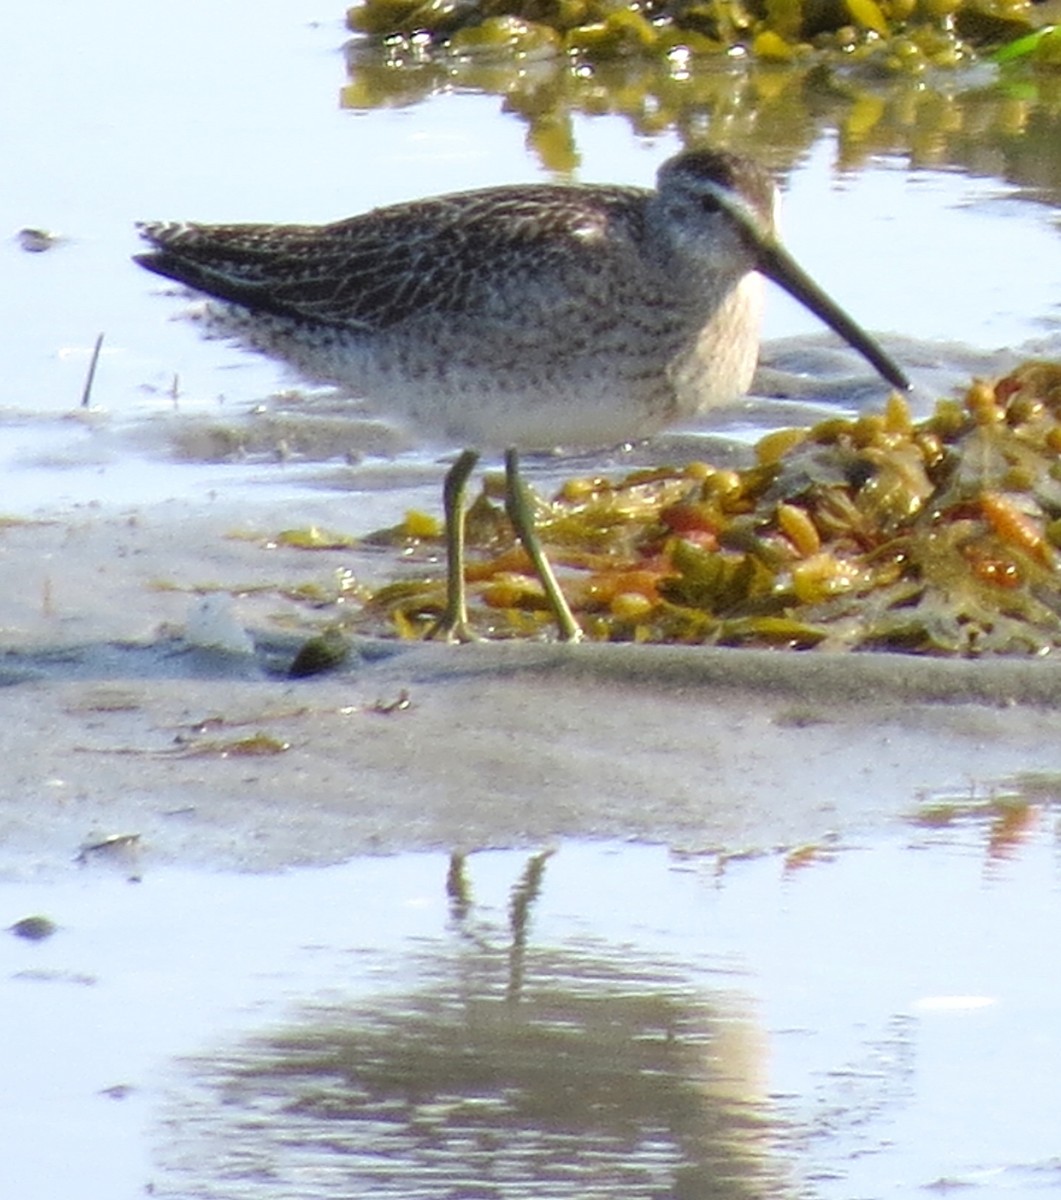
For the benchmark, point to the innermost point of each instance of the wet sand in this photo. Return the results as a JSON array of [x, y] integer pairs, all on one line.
[[111, 724]]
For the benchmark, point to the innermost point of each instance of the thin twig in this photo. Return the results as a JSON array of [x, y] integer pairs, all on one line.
[[91, 371]]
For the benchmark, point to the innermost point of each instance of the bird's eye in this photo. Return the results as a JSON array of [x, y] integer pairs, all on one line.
[[710, 202]]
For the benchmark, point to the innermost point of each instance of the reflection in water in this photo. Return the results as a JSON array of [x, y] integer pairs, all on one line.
[[1007, 126], [911, 1016], [505, 1070]]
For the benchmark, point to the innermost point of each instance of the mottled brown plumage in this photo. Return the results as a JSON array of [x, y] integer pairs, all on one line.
[[532, 315]]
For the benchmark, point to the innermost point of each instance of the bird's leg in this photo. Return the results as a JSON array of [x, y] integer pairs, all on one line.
[[453, 625], [518, 507]]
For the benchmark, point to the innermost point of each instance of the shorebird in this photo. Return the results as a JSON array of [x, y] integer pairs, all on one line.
[[515, 318]]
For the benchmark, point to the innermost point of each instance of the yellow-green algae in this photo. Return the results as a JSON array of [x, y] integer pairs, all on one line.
[[937, 537], [900, 34]]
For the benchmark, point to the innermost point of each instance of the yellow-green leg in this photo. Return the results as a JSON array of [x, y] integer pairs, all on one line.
[[453, 625], [518, 507]]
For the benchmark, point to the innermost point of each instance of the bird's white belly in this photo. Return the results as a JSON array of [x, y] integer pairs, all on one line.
[[534, 387], [509, 405]]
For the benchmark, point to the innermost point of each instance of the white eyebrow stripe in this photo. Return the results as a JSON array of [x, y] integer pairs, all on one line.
[[739, 208]]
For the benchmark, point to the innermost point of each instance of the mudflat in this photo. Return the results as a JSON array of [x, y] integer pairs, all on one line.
[[111, 723]]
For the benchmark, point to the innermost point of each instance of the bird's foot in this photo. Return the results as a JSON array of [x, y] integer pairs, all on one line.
[[453, 629], [568, 629]]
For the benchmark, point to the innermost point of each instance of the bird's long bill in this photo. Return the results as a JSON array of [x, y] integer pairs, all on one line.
[[777, 264]]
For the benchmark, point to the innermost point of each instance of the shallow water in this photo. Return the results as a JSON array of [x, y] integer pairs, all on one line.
[[875, 1018]]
